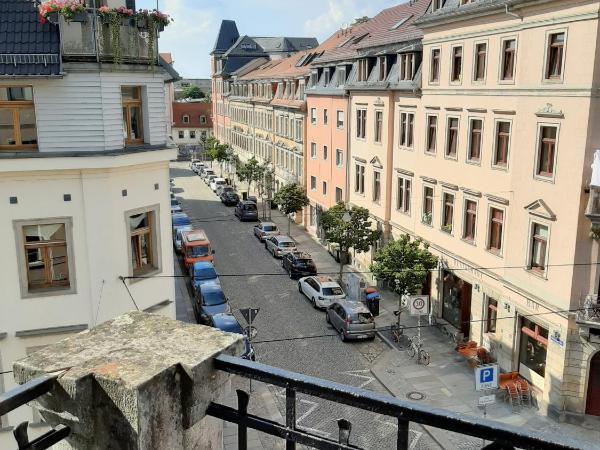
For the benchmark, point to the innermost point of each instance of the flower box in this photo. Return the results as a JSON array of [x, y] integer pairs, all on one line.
[[53, 18], [80, 17]]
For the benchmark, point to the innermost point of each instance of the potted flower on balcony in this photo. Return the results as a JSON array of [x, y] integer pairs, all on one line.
[[159, 19], [71, 10]]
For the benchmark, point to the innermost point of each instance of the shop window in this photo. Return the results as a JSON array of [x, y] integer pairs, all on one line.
[[533, 349], [456, 302], [17, 119], [492, 315]]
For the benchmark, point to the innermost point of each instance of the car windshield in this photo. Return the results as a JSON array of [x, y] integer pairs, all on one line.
[[227, 189], [220, 182], [304, 262], [250, 207], [213, 298], [361, 318], [205, 273], [231, 326], [336, 290], [198, 251], [269, 228], [287, 244]]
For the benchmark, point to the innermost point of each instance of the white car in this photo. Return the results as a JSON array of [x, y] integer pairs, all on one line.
[[216, 182], [265, 230], [177, 236], [322, 291]]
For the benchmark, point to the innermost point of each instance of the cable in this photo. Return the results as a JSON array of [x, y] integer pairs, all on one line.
[[4, 373], [131, 296], [99, 301]]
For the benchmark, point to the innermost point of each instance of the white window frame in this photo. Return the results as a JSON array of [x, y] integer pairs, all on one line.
[[468, 198], [488, 237], [378, 201], [501, 59], [462, 64], [156, 240], [403, 132], [528, 255], [429, 78], [380, 141], [547, 54], [313, 116], [447, 136], [313, 186], [339, 161], [403, 179], [487, 56], [313, 150], [443, 210], [468, 151], [432, 187], [495, 144], [339, 122], [538, 147]]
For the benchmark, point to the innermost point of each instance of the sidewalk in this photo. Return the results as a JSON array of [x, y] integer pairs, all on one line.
[[447, 382]]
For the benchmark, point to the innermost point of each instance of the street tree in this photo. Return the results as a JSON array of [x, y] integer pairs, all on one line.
[[218, 152], [404, 265], [251, 172], [193, 92], [291, 198], [349, 229]]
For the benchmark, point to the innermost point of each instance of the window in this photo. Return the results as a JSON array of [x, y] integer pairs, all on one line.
[[434, 76], [202, 119], [17, 119], [363, 70], [324, 188], [361, 123], [325, 117], [192, 134], [470, 220], [502, 142], [403, 195], [339, 158], [325, 153], [376, 186], [407, 124], [436, 4], [431, 133], [359, 181], [448, 212], [555, 55], [480, 61], [186, 118], [539, 245], [452, 140], [509, 47], [338, 195], [474, 154], [492, 315], [407, 66], [495, 231], [143, 242], [456, 64], [313, 183], [378, 125], [427, 205], [340, 119], [313, 116], [382, 68], [313, 150], [46, 256], [131, 98], [181, 134], [533, 349], [546, 151]]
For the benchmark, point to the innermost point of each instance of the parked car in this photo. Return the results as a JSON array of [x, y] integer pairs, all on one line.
[[209, 300], [299, 264], [179, 219], [174, 201], [177, 232], [351, 319], [216, 182], [207, 173], [209, 179], [230, 198], [321, 291], [253, 199], [229, 324], [176, 209], [224, 188], [265, 229], [246, 210], [197, 166], [202, 273], [196, 247], [280, 245]]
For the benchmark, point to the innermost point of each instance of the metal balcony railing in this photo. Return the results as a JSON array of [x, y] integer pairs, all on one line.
[[23, 394], [589, 313], [93, 39], [502, 437]]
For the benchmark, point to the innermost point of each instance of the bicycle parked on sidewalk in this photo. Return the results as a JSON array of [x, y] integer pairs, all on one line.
[[397, 328], [416, 348]]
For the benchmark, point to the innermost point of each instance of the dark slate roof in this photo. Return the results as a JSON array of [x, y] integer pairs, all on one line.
[[236, 62], [285, 44], [27, 48], [228, 35]]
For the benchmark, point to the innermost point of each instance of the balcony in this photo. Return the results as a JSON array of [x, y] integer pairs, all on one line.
[[589, 312], [146, 381], [95, 40]]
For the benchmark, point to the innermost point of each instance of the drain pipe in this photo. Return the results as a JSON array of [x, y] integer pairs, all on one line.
[[510, 13]]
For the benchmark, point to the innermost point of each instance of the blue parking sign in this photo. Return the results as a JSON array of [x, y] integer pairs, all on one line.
[[486, 377]]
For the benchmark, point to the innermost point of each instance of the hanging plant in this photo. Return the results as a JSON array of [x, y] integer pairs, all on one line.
[[69, 9], [114, 21]]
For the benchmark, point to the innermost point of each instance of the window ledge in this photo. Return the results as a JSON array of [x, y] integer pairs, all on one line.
[[473, 162], [469, 241], [495, 253], [433, 154], [500, 168], [544, 179], [451, 158], [536, 273]]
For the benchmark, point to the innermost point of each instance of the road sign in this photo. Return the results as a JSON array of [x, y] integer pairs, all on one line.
[[419, 305], [486, 377], [485, 400], [249, 314]]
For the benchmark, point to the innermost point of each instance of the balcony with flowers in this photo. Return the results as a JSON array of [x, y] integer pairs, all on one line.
[[109, 35]]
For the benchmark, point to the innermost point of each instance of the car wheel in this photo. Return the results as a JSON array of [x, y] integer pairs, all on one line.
[[342, 335], [314, 304]]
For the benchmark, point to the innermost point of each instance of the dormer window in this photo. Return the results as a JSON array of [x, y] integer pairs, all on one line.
[[382, 68], [407, 66], [327, 76], [363, 70], [186, 118], [436, 4], [341, 76]]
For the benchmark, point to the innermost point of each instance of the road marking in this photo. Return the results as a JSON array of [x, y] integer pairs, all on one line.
[[357, 374]]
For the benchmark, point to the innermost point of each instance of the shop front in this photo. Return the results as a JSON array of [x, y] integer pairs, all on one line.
[[533, 350], [456, 302]]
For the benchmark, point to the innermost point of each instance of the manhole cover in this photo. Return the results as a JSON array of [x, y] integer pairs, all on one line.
[[415, 395]]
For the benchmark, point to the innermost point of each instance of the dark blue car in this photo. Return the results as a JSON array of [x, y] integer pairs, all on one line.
[[209, 300], [179, 219], [202, 273], [228, 323]]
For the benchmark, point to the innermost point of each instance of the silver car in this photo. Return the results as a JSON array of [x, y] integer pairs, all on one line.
[[280, 245], [352, 320], [265, 230]]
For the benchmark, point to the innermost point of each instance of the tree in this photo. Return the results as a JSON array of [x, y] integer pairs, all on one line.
[[218, 152], [291, 198], [349, 229], [404, 264], [265, 184], [250, 171], [193, 92]]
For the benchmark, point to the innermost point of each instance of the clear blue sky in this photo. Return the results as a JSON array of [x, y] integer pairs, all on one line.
[[191, 36]]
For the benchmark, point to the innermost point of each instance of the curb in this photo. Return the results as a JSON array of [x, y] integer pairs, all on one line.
[[387, 342]]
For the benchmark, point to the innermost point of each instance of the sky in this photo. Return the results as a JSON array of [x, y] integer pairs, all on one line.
[[191, 37]]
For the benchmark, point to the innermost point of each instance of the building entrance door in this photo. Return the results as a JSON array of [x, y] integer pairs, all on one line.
[[593, 393]]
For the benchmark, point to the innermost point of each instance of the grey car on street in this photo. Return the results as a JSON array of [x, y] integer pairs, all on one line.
[[280, 245], [352, 320]]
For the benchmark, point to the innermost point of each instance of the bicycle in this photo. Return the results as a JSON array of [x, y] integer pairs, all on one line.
[[416, 348], [397, 331]]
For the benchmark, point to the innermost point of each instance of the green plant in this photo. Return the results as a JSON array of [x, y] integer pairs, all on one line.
[[447, 228], [193, 91], [291, 198], [250, 171], [426, 218]]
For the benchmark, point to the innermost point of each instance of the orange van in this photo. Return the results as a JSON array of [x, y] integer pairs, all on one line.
[[195, 247]]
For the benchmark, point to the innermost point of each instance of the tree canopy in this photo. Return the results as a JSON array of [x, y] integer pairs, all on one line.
[[192, 92], [250, 171], [291, 198]]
